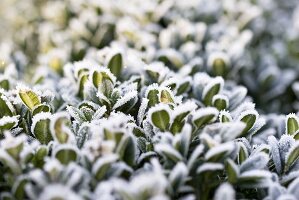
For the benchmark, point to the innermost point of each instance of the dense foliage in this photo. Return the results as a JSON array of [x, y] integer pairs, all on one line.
[[149, 99]]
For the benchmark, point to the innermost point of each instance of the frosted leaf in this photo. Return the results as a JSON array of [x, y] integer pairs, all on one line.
[[101, 96], [185, 107], [293, 188], [172, 55], [82, 135], [159, 116], [58, 191], [219, 152], [220, 97], [275, 191], [261, 148], [10, 142], [225, 191], [292, 156], [249, 117], [237, 96], [157, 70], [260, 123], [102, 165], [53, 165], [84, 65], [291, 124], [231, 130], [285, 143], [178, 175], [60, 127], [126, 98], [257, 161], [66, 153], [243, 152], [169, 82], [76, 113], [255, 178], [99, 113], [41, 127], [76, 175], [224, 116], [213, 87], [185, 139], [166, 95], [204, 115], [168, 152], [194, 156], [142, 110], [287, 197], [208, 140], [7, 122], [218, 55], [152, 183], [10, 109], [28, 96], [209, 167], [153, 86], [38, 177], [201, 79], [9, 161], [243, 107]]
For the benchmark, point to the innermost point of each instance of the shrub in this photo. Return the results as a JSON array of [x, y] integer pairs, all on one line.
[[149, 100]]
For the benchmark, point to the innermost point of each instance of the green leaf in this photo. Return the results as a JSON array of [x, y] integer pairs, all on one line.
[[153, 75], [39, 157], [153, 97], [115, 64], [211, 89], [4, 83], [66, 154], [19, 187], [220, 152], [103, 82], [219, 67], [220, 102], [41, 108], [179, 115], [160, 117], [184, 87], [82, 80], [204, 116], [292, 124], [292, 156], [41, 127], [219, 63], [6, 107], [60, 127], [76, 114], [166, 97], [249, 118], [168, 152], [102, 165], [15, 151], [255, 179], [29, 98], [7, 123], [232, 171], [224, 116], [126, 150], [243, 153]]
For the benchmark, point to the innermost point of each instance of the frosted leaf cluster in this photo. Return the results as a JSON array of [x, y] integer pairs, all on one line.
[[149, 99]]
